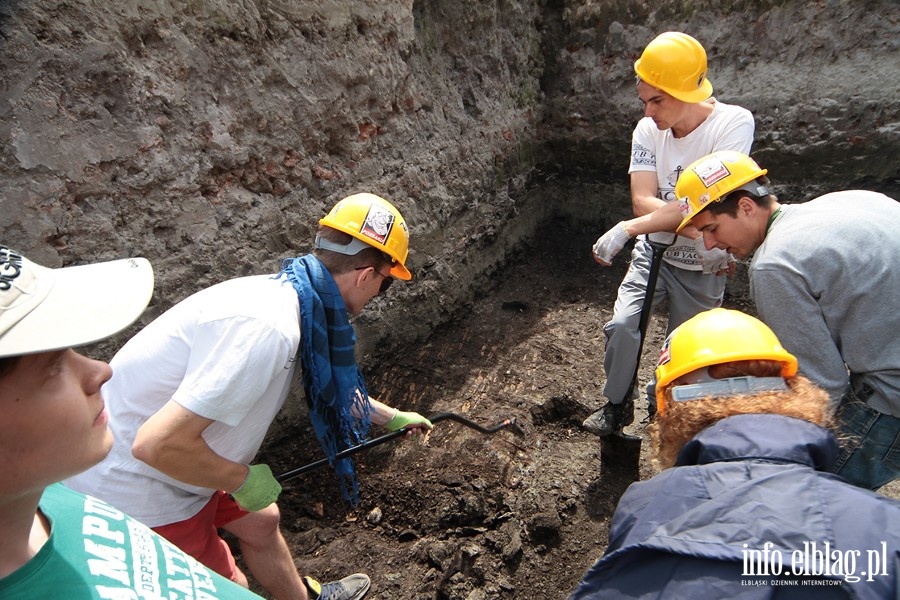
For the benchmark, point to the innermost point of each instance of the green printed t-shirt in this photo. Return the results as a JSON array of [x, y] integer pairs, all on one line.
[[97, 552]]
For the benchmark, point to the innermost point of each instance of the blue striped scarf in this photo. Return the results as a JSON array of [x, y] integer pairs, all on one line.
[[335, 388]]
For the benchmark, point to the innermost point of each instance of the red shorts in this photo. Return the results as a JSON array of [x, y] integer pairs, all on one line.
[[199, 535]]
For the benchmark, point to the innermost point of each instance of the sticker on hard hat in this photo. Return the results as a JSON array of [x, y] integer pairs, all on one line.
[[711, 171], [377, 224], [665, 355]]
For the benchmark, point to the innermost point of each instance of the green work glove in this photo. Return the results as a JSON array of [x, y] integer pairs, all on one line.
[[259, 490], [403, 420]]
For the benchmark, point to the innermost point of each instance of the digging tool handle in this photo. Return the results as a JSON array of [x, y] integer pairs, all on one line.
[[386, 438], [342, 454], [620, 443], [659, 248]]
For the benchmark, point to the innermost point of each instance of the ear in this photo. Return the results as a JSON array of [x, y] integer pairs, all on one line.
[[362, 276], [746, 206]]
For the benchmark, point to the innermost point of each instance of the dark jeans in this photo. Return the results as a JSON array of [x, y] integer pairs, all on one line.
[[870, 445]]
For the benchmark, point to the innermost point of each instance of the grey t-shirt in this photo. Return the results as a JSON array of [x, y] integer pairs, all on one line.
[[827, 281]]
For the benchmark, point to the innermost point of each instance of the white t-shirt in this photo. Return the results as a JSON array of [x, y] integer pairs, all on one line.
[[227, 353], [728, 127]]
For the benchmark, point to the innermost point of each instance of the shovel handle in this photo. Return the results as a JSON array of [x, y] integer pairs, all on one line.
[[386, 438], [340, 455], [659, 249]]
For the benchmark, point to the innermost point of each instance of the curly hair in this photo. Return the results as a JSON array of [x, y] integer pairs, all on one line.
[[678, 424]]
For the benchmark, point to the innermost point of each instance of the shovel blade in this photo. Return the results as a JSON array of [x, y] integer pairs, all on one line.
[[620, 458]]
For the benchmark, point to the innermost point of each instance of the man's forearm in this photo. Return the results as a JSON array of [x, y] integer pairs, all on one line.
[[381, 413], [665, 218]]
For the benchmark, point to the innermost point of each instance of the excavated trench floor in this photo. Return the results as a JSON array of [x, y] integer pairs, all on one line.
[[520, 513], [464, 515]]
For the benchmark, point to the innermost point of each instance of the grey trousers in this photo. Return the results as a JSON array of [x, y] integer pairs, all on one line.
[[688, 292]]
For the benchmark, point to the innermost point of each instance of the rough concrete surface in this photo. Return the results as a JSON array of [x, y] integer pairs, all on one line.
[[210, 136]]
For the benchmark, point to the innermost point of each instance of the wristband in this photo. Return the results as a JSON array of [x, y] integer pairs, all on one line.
[[259, 490]]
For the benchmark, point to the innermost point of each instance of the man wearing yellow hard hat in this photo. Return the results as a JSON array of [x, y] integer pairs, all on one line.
[[196, 390], [824, 277], [746, 506], [681, 123]]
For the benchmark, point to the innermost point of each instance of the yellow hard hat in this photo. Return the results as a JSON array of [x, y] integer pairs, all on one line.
[[711, 178], [714, 337], [675, 63], [373, 220]]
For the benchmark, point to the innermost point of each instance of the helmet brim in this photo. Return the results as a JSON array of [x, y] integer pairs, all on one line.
[[401, 272], [694, 96]]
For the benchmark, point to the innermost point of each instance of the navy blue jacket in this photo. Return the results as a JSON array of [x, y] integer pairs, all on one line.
[[700, 529]]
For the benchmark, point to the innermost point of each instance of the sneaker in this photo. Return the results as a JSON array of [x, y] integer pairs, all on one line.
[[352, 587], [610, 418]]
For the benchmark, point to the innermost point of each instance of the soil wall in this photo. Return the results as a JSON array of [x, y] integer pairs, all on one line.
[[210, 135]]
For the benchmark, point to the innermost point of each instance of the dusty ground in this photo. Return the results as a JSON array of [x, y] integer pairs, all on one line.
[[520, 513]]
